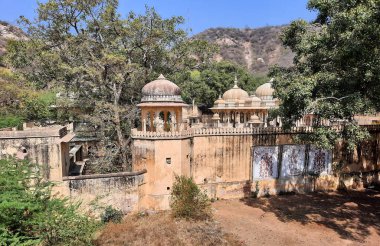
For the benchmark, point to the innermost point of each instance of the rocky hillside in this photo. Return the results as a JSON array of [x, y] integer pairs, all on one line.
[[8, 32], [256, 49]]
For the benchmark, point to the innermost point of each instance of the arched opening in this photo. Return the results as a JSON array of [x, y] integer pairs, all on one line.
[[148, 121], [159, 122], [169, 121]]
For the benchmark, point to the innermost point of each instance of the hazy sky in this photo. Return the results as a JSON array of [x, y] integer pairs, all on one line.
[[199, 14]]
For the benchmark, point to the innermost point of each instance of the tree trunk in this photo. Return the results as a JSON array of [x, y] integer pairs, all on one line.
[[119, 132]]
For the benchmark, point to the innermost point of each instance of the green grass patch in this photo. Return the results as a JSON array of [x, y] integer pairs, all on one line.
[[11, 121]]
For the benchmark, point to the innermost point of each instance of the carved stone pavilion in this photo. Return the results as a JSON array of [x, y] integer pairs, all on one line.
[[163, 110]]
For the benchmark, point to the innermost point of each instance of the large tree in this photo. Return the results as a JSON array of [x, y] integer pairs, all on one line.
[[336, 70], [207, 83], [86, 48]]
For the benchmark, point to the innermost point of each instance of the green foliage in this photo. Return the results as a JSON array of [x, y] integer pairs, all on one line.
[[336, 73], [10, 121], [208, 82], [111, 215], [21, 101], [30, 215], [188, 201], [37, 106], [102, 59]]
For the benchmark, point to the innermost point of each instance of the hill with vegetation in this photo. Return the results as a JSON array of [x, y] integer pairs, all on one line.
[[9, 32], [255, 49], [19, 100]]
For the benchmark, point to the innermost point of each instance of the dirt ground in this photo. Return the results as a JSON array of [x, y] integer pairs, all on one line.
[[349, 218], [161, 229]]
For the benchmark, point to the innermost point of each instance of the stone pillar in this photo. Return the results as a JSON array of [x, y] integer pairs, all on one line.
[[151, 116], [180, 126], [174, 121], [265, 120], [143, 121]]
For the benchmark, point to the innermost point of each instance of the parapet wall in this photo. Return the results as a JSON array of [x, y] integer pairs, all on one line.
[[221, 161], [95, 192], [136, 134]]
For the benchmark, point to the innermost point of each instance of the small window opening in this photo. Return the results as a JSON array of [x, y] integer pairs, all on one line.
[[168, 160]]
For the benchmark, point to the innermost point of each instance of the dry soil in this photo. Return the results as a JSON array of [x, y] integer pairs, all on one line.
[[349, 218]]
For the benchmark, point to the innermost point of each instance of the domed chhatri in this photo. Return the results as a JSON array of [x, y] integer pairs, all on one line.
[[265, 91], [219, 101], [235, 93], [161, 89], [161, 106], [237, 108], [253, 100]]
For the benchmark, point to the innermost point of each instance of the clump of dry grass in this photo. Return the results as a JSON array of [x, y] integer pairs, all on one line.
[[163, 229]]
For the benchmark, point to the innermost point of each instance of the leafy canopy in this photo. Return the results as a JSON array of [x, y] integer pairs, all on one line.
[[337, 68], [85, 48], [208, 82], [30, 215], [21, 101]]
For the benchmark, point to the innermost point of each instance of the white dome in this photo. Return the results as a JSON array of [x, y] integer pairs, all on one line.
[[161, 87], [235, 93], [265, 91]]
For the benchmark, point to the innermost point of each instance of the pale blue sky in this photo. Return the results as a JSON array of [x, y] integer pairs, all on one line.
[[199, 14]]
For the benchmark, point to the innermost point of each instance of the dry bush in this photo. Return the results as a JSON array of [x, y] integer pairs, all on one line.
[[188, 201], [163, 229]]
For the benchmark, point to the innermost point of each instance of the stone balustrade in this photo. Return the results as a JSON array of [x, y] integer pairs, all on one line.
[[194, 132], [161, 98]]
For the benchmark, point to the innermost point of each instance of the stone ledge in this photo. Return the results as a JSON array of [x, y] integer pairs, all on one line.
[[107, 175], [35, 133]]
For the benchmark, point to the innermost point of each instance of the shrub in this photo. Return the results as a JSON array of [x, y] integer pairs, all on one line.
[[10, 121], [111, 215], [30, 215], [188, 201]]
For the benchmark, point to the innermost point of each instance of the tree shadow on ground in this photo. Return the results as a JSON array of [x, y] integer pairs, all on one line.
[[350, 214]]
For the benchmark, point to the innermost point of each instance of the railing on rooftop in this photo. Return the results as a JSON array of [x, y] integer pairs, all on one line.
[[215, 132], [194, 132], [161, 98]]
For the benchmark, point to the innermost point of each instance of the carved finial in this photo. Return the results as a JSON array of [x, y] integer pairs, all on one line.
[[235, 82], [220, 96], [161, 77], [271, 80]]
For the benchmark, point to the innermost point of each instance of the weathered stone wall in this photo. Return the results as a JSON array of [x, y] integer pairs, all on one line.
[[163, 159], [47, 151], [221, 162], [95, 192], [221, 158], [364, 158]]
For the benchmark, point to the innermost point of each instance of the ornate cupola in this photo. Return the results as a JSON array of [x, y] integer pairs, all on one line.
[[161, 106], [161, 90], [235, 94]]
